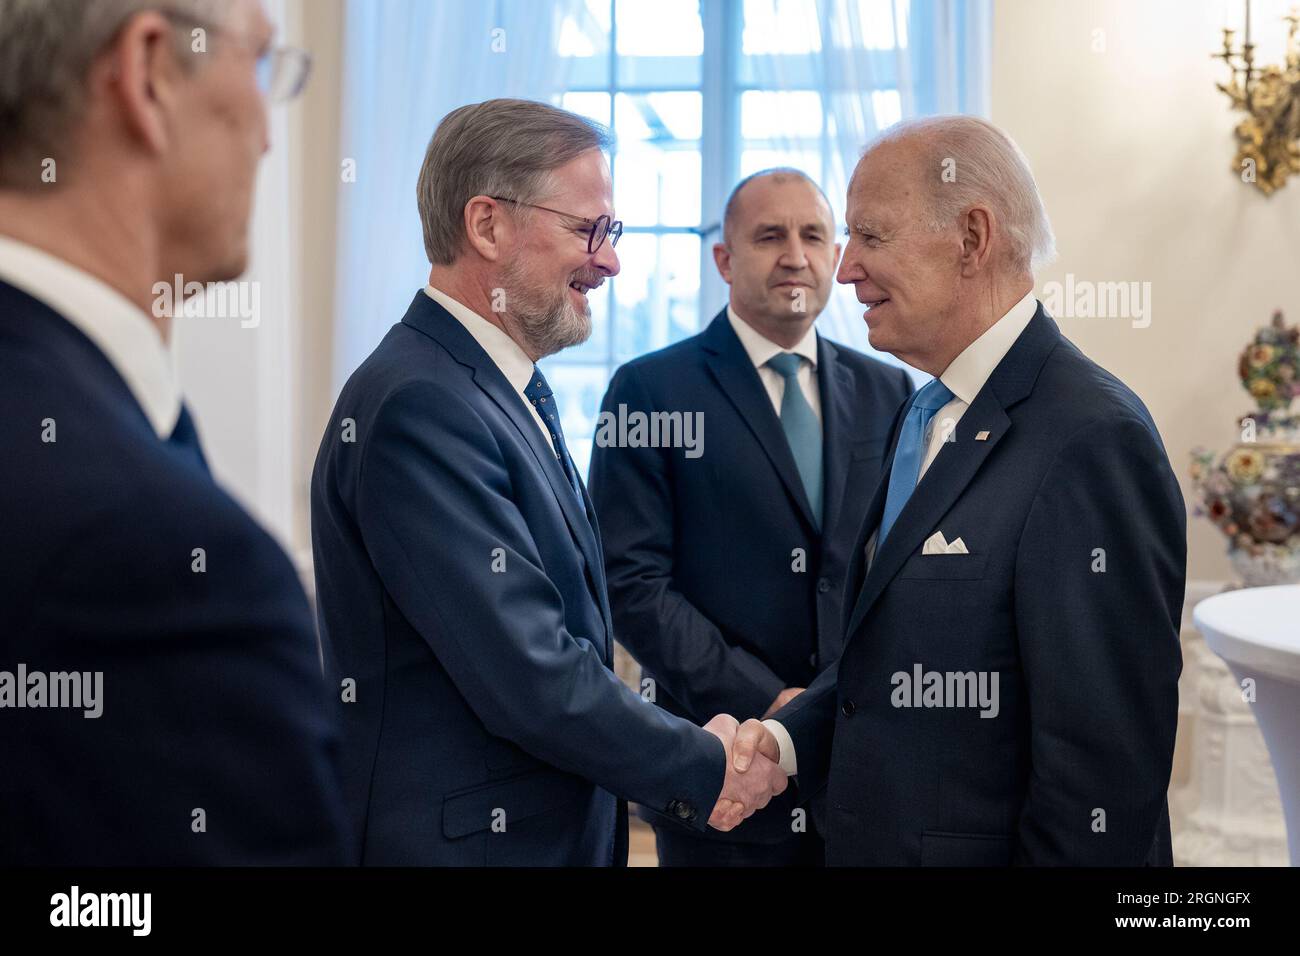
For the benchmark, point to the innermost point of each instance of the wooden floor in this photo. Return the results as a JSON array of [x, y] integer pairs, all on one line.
[[641, 843]]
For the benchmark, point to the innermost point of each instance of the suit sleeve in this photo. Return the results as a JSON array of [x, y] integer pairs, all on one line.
[[1098, 594], [809, 719], [665, 632], [215, 744], [435, 504]]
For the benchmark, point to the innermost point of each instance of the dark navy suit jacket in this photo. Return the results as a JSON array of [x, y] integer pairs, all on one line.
[[461, 588], [707, 586], [1071, 593], [213, 696]]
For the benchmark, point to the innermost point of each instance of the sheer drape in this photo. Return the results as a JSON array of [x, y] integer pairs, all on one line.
[[934, 53], [407, 63]]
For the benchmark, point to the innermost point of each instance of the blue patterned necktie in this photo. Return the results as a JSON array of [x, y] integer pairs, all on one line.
[[802, 430], [543, 399], [904, 474]]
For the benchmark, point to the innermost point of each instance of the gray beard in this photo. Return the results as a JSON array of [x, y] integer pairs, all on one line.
[[548, 323]]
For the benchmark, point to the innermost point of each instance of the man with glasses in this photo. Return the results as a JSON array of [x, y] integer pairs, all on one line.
[[458, 560], [161, 699]]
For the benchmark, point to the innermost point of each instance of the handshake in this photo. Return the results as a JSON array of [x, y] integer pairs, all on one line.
[[753, 776]]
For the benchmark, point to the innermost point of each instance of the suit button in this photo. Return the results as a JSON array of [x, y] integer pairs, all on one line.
[[847, 708], [812, 661], [682, 810], [823, 585]]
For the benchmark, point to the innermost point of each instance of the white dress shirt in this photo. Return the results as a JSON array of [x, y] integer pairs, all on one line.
[[504, 351], [968, 372], [965, 376], [118, 328], [761, 350]]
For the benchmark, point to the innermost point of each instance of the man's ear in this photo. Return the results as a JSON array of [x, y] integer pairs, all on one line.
[[484, 227], [722, 259], [976, 240], [140, 74]]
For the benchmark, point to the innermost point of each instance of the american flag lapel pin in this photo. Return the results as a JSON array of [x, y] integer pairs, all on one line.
[[982, 436]]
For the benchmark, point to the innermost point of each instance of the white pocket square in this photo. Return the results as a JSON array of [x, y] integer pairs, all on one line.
[[936, 544]]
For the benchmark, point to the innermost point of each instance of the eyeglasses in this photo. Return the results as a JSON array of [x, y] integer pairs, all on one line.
[[282, 71], [599, 229]]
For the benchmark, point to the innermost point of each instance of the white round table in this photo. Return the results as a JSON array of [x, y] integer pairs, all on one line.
[[1257, 633]]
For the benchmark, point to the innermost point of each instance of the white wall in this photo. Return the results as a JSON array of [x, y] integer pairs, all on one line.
[[1132, 149], [259, 395]]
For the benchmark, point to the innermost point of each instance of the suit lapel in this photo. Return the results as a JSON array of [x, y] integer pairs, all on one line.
[[855, 575], [735, 373], [838, 398], [435, 321], [491, 381], [956, 464], [945, 480]]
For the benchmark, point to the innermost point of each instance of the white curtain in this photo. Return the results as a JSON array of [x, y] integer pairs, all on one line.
[[407, 63], [935, 53]]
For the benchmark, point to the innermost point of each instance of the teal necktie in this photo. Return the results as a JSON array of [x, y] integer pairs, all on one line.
[[802, 430]]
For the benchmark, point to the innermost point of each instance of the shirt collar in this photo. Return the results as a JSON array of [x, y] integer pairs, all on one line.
[[121, 330], [512, 360], [761, 349], [968, 372]]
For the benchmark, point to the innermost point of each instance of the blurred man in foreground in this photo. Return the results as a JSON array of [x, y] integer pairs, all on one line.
[[161, 699]]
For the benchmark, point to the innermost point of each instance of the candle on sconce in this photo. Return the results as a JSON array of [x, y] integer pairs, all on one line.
[[1269, 137]]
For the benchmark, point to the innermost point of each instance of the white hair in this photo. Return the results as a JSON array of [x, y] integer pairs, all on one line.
[[967, 161]]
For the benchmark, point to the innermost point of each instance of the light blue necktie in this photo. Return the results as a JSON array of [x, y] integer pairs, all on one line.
[[911, 449], [802, 430]]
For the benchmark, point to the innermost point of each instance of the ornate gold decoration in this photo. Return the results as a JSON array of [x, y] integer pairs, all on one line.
[[1268, 139]]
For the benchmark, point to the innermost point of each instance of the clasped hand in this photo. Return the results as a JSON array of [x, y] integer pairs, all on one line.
[[753, 776]]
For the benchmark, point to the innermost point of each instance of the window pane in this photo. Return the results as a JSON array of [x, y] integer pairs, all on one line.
[[659, 28], [753, 160], [653, 187], [594, 106], [888, 106], [578, 390], [585, 32], [657, 294], [879, 19], [658, 117], [783, 115], [657, 169], [781, 26]]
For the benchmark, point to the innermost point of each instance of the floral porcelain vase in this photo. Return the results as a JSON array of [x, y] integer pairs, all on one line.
[[1253, 493]]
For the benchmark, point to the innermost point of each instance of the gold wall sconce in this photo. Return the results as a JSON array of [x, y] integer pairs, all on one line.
[[1268, 139]]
